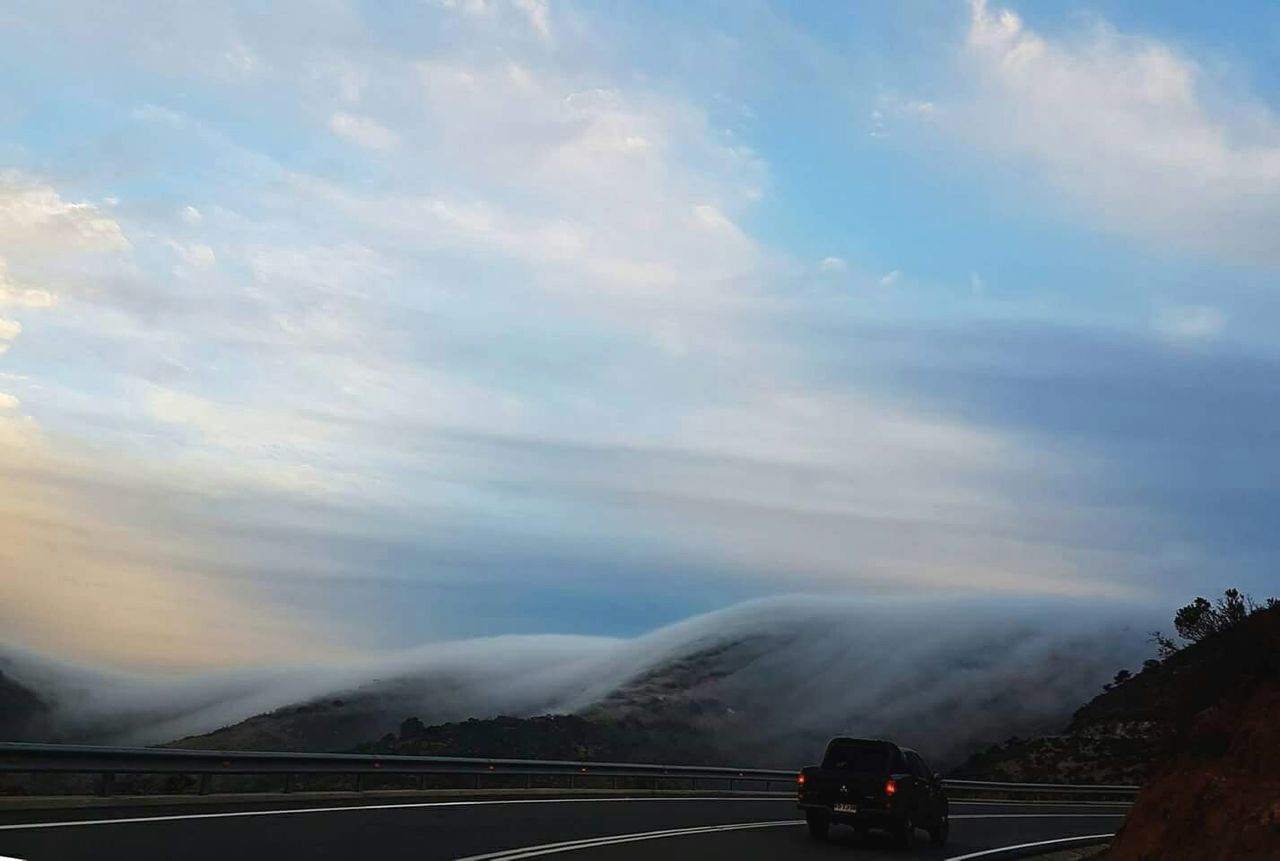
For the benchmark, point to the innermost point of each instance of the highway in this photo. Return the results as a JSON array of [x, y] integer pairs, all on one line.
[[584, 829]]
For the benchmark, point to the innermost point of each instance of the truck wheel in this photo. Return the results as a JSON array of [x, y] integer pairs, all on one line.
[[906, 833], [819, 825], [938, 833]]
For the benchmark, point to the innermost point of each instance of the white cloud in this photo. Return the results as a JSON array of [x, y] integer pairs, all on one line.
[[196, 255], [891, 278], [9, 329], [1189, 323], [539, 15], [15, 295], [8, 401], [35, 219], [363, 131], [1127, 130], [558, 258], [977, 285]]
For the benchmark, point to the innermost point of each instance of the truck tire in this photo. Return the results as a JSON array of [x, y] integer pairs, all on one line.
[[938, 833], [905, 833], [819, 824]]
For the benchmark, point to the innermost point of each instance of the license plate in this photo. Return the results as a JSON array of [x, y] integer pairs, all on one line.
[[846, 808]]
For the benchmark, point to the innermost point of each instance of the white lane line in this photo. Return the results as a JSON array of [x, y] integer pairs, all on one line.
[[1048, 803], [1037, 816], [985, 852], [573, 845], [133, 820]]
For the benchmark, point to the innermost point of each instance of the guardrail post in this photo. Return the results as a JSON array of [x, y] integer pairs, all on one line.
[[288, 782], [359, 782], [106, 783], [205, 779], [422, 782]]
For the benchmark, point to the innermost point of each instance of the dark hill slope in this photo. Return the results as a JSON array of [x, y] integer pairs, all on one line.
[[1215, 793], [567, 737], [1117, 736], [23, 714]]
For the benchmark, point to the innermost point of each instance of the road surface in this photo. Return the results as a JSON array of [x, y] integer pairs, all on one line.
[[613, 828]]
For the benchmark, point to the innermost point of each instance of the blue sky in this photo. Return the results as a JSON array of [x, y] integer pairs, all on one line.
[[347, 326]]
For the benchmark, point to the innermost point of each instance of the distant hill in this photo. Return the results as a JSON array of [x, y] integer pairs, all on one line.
[[567, 737], [24, 716], [765, 684]]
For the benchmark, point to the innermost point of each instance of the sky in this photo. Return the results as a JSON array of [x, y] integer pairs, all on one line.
[[335, 327]]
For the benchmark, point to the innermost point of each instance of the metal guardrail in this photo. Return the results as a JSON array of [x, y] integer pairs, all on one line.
[[108, 762]]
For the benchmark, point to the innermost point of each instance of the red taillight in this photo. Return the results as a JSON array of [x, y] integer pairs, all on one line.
[[800, 779], [890, 786]]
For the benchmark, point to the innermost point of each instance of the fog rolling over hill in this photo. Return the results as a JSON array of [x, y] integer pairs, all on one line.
[[767, 680]]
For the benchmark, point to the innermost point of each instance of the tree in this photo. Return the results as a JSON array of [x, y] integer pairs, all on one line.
[[1122, 677], [411, 728], [1165, 646], [1202, 618]]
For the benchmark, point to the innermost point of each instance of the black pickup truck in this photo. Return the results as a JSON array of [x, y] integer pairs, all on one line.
[[868, 784]]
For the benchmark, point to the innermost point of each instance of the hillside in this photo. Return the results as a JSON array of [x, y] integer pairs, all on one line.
[[1215, 791], [568, 737], [1118, 735], [765, 683], [23, 714]]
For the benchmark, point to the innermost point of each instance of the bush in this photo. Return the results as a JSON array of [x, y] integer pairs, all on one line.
[[1201, 618]]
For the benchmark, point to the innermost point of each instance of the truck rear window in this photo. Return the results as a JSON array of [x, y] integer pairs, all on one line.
[[857, 756]]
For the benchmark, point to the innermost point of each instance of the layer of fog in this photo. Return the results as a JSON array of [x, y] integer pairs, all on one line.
[[777, 674]]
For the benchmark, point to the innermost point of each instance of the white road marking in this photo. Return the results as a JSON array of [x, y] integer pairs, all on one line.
[[572, 845], [1048, 803], [71, 823], [1037, 816], [985, 852], [589, 843]]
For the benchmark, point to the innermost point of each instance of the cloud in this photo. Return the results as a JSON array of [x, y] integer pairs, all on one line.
[[363, 131], [536, 349], [833, 264], [13, 294], [194, 254], [34, 218], [1128, 130], [1189, 323], [8, 401], [140, 597], [891, 278], [539, 14]]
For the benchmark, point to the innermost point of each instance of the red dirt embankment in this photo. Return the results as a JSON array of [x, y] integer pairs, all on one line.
[[1217, 795]]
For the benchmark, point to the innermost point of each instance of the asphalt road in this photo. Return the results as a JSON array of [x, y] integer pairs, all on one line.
[[497, 829]]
